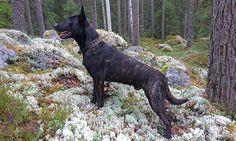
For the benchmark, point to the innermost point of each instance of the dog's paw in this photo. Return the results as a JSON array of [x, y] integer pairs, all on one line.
[[100, 104], [93, 100], [167, 136]]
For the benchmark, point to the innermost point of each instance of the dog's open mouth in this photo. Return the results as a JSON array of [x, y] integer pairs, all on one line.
[[65, 34]]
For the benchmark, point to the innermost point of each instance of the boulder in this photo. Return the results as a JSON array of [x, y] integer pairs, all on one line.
[[51, 34], [176, 40], [112, 39], [5, 55], [167, 61], [203, 73], [142, 55], [178, 77], [14, 37], [137, 49], [166, 47]]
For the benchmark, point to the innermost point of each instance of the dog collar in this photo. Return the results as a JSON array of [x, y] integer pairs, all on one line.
[[94, 43]]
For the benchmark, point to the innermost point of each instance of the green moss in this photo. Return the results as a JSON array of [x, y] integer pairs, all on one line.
[[150, 42], [171, 42], [19, 67], [15, 119], [164, 68], [196, 60]]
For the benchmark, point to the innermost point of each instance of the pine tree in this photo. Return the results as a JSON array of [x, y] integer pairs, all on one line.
[[29, 17], [221, 85], [39, 14], [18, 14]]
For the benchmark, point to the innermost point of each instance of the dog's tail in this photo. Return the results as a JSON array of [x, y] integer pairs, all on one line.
[[172, 99]]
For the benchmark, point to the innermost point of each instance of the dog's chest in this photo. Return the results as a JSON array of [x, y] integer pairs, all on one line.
[[93, 64]]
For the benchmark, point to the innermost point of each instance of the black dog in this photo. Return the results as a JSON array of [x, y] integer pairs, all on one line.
[[105, 63]]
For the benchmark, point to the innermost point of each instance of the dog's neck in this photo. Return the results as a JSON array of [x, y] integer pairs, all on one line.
[[90, 40], [93, 43]]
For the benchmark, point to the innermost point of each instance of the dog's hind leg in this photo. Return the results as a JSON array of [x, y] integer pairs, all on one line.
[[157, 102]]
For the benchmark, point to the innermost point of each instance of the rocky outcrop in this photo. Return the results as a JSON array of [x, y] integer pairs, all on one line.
[[53, 70]]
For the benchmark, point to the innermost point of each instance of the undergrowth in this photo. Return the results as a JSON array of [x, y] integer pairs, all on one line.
[[17, 123], [15, 119]]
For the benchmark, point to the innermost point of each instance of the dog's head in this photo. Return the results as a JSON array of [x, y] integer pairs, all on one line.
[[73, 27]]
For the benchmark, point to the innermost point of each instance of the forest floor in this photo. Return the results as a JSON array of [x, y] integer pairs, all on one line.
[[194, 57], [197, 56]]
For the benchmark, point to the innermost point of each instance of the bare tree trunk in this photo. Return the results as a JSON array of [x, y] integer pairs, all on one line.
[[125, 17], [152, 17], [60, 9], [131, 25], [135, 5], [163, 21], [221, 85], [39, 14], [108, 15], [31, 32], [119, 16], [18, 14], [175, 6], [185, 25], [104, 15], [141, 18], [190, 23], [94, 9]]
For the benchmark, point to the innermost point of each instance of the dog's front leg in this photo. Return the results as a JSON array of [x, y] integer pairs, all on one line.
[[99, 91], [94, 99]]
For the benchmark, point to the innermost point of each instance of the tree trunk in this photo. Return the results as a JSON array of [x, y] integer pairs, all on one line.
[[104, 15], [163, 20], [131, 25], [18, 14], [39, 14], [221, 85], [108, 15], [152, 17], [141, 18], [60, 9], [27, 4], [119, 16], [175, 7], [135, 5], [190, 31], [125, 17], [185, 25], [94, 9]]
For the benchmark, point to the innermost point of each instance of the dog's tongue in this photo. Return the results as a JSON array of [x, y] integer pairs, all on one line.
[[65, 34]]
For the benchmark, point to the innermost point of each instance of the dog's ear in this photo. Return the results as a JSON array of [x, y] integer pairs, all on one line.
[[82, 16]]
